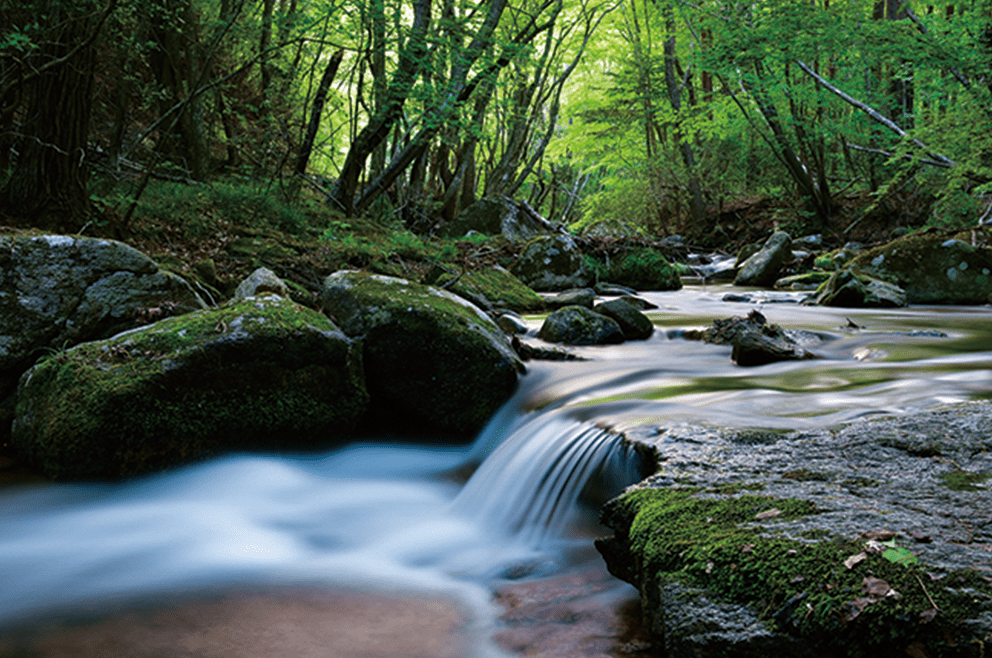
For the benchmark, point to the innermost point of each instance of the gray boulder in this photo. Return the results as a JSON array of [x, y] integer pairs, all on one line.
[[57, 291], [762, 269], [432, 360], [634, 324], [258, 373], [499, 215], [578, 325], [552, 263], [262, 280]]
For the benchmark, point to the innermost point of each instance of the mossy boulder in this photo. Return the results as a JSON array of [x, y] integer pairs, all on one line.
[[260, 373], [433, 361], [762, 269], [57, 291], [498, 287], [870, 549], [552, 263], [931, 269], [805, 281], [262, 280], [578, 325], [641, 268]]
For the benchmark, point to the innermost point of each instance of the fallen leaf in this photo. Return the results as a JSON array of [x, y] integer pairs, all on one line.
[[875, 587], [855, 560], [747, 548], [920, 537], [900, 555], [916, 650], [927, 616], [768, 514]]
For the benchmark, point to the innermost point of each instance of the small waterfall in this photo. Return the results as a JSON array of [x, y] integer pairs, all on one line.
[[530, 484]]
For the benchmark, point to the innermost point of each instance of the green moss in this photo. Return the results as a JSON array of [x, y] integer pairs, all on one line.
[[799, 587], [640, 268], [499, 287], [964, 480]]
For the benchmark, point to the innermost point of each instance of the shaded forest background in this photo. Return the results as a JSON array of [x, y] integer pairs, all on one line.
[[148, 119]]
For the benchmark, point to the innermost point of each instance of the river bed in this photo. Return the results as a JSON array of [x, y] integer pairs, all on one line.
[[220, 558]]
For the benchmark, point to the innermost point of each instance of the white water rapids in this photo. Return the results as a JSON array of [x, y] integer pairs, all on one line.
[[393, 518]]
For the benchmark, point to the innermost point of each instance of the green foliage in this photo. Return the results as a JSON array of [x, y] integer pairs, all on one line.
[[642, 268]]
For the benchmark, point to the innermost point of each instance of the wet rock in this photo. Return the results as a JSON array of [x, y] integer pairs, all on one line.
[[737, 552], [262, 280], [499, 215], [57, 291], [257, 373], [931, 269], [754, 341], [762, 269], [612, 289], [578, 297], [552, 263], [847, 288], [431, 358], [807, 281], [528, 352], [639, 303], [634, 324], [511, 324], [578, 325]]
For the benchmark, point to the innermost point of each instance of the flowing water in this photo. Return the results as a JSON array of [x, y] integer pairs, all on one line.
[[393, 520]]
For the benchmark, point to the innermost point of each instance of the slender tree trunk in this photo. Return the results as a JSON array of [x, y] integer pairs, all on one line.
[[330, 71]]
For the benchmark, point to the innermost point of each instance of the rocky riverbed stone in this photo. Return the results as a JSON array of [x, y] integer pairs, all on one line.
[[870, 539], [578, 325], [762, 268], [552, 263], [634, 324]]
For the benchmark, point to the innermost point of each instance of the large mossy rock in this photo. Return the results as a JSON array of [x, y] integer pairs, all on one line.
[[931, 269], [762, 269], [634, 324], [552, 263], [258, 373], [643, 268], [841, 542], [499, 215], [497, 287], [57, 291], [578, 325], [432, 360]]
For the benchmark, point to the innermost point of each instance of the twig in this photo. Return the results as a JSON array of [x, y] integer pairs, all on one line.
[[929, 598]]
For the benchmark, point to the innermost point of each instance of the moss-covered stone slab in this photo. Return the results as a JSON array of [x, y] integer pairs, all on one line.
[[640, 268], [498, 287], [260, 373], [932, 269], [832, 543], [851, 289], [432, 360], [59, 290]]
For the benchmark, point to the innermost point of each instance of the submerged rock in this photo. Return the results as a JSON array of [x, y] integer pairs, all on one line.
[[432, 359], [578, 325], [754, 341], [577, 297], [832, 543], [257, 373]]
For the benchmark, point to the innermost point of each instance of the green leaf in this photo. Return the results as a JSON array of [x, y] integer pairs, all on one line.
[[898, 554]]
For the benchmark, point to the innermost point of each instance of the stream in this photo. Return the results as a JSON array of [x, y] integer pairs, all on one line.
[[388, 545]]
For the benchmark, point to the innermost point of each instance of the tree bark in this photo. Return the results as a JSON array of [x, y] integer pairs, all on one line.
[[330, 71], [48, 186]]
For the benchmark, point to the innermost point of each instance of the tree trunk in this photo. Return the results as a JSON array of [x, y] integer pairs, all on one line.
[[48, 184], [318, 107]]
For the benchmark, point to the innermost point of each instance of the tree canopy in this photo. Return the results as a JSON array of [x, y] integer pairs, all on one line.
[[659, 112]]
